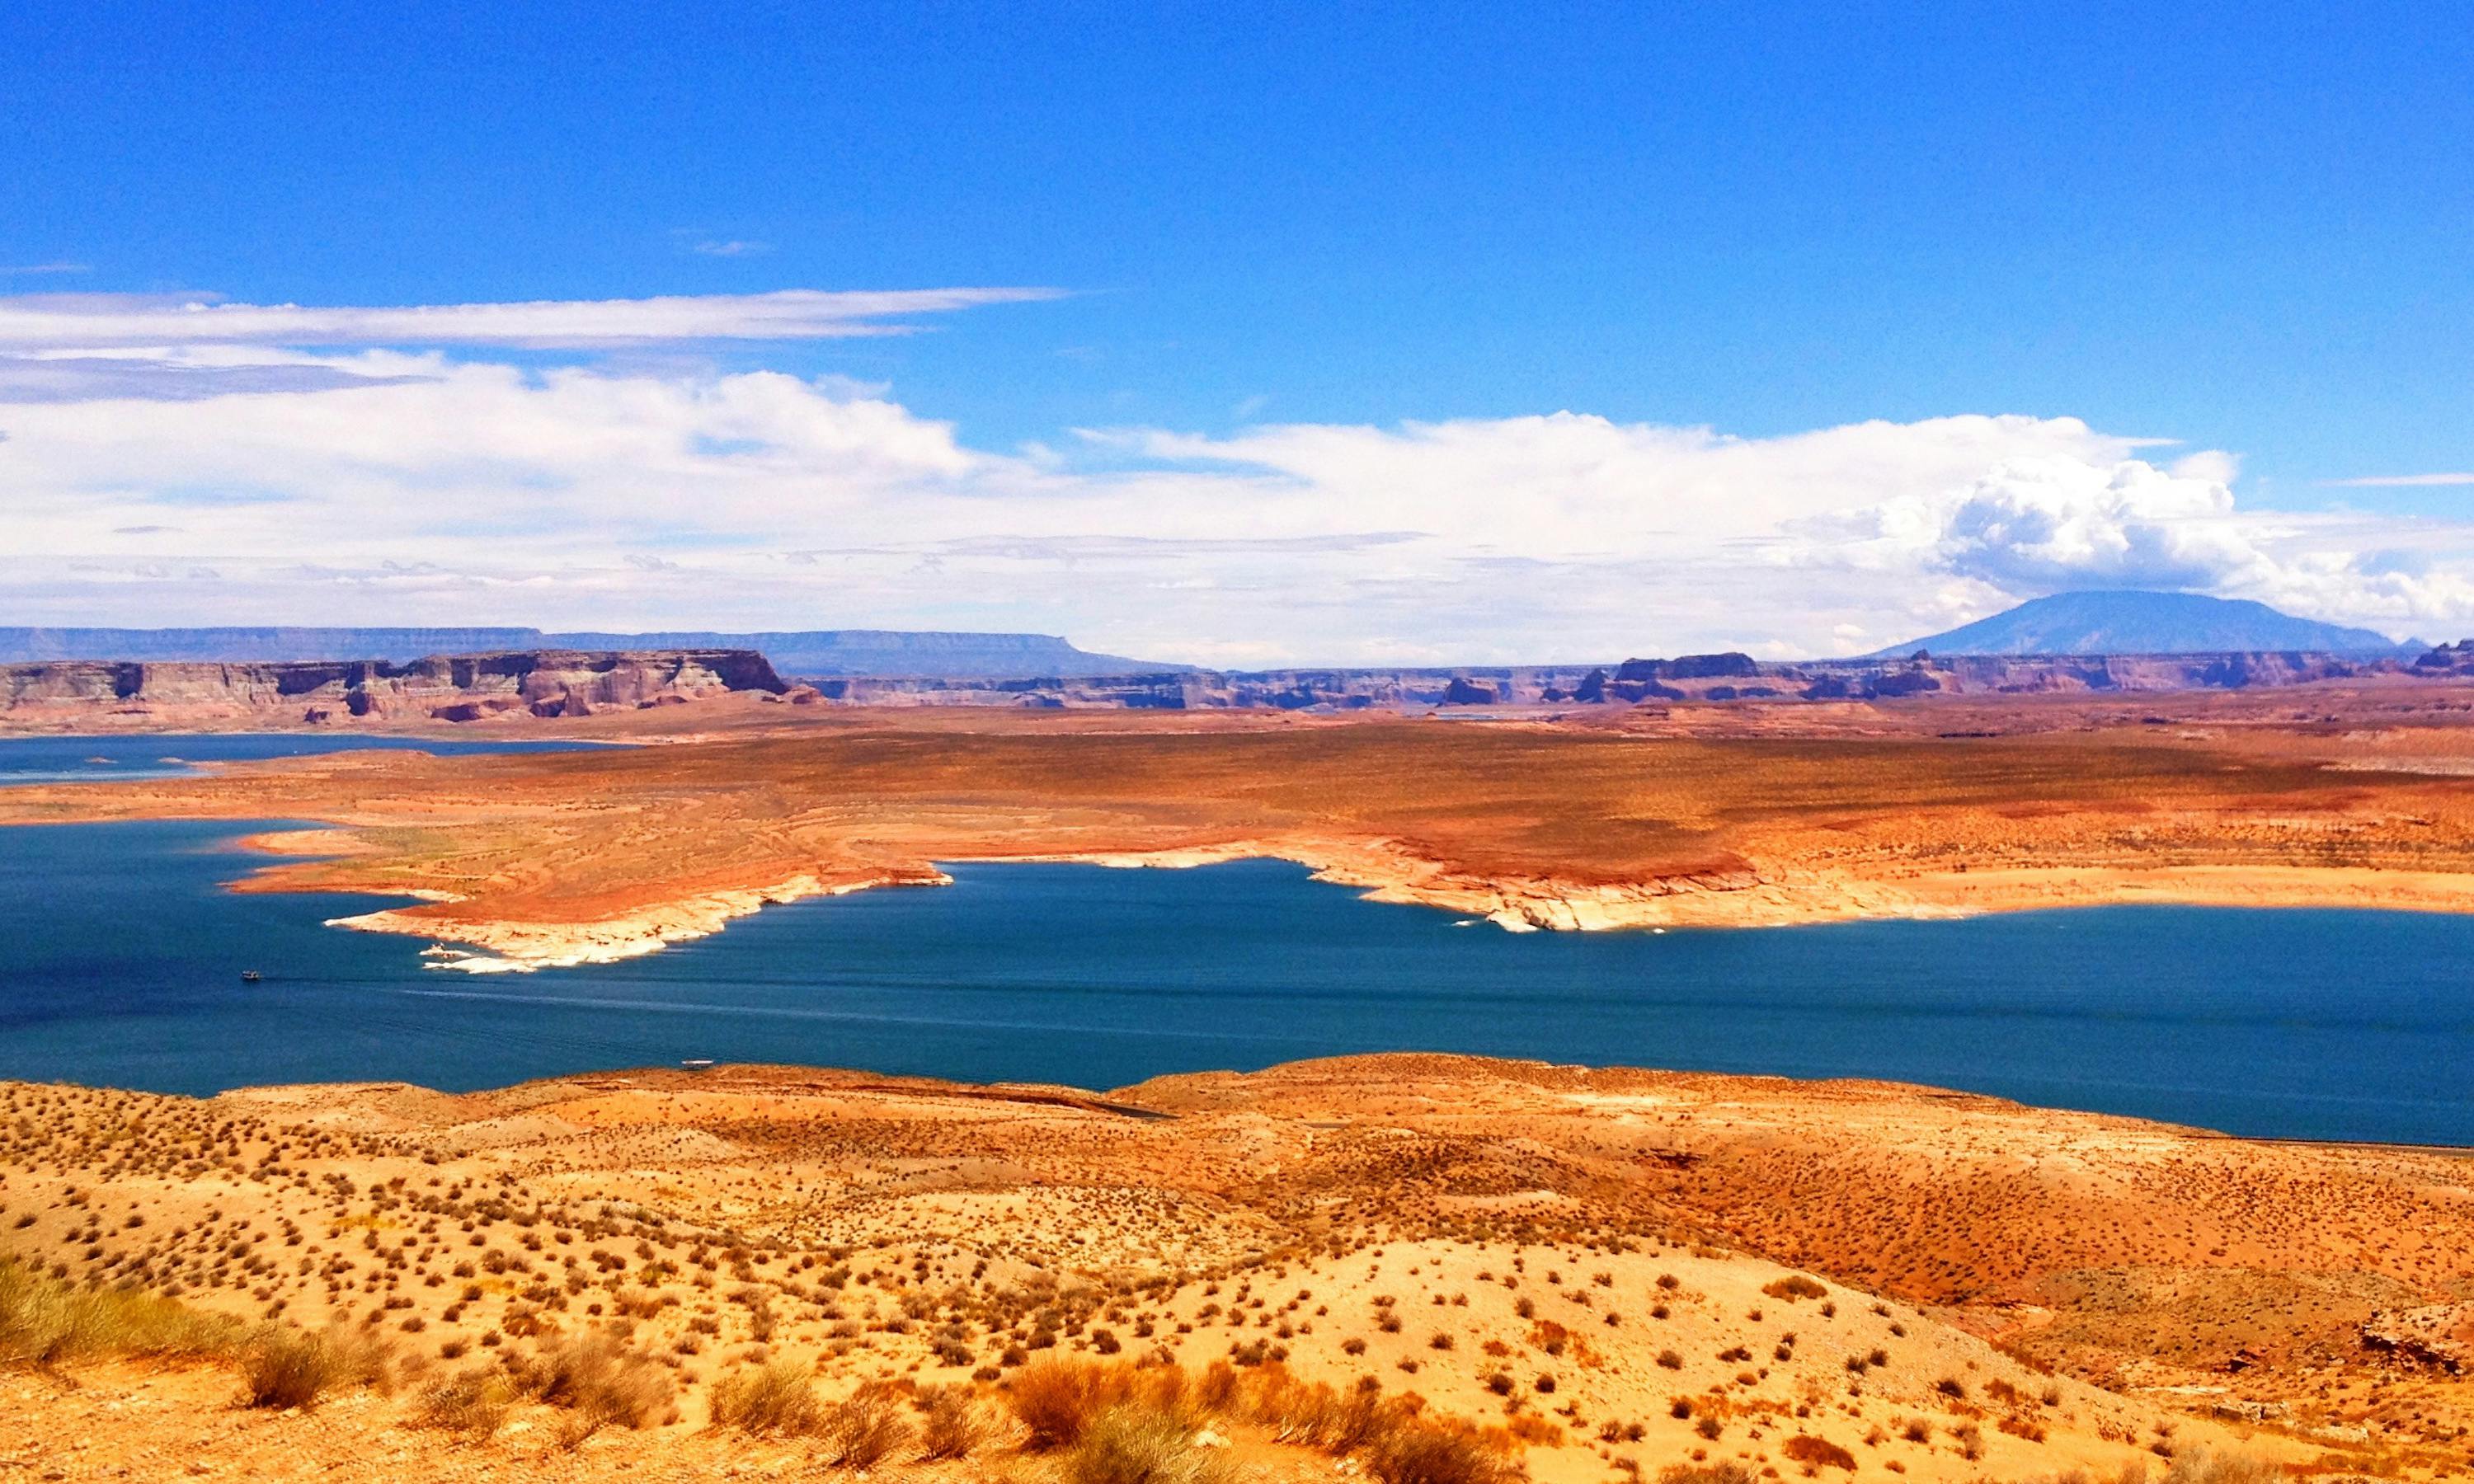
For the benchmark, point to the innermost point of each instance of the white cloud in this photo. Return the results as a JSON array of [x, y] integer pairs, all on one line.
[[56, 321], [2401, 481], [380, 486]]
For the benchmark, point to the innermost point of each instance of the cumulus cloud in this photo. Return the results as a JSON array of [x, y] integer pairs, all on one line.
[[379, 484], [2047, 522]]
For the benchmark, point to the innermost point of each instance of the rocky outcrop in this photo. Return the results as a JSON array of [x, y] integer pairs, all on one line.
[[443, 687], [2438, 1334], [2456, 659], [1721, 677]]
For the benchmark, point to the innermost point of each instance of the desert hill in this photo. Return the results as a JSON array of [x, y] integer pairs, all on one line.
[[1579, 1274]]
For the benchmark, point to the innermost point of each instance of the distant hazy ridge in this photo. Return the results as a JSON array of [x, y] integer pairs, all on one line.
[[2146, 623], [798, 652]]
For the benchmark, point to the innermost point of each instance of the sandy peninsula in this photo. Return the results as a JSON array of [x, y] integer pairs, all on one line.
[[1682, 817]]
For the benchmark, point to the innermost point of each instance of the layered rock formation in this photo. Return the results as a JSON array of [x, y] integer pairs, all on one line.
[[1713, 677], [557, 682], [793, 652], [444, 688]]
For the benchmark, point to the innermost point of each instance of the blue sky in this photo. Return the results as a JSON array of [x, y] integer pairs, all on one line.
[[2243, 229]]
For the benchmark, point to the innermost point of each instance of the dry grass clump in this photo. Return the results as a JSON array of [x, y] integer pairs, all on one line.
[[598, 1380], [1318, 1416], [948, 1426], [282, 1368], [1062, 1402], [473, 1403], [859, 1433], [865, 1428], [1140, 1444], [768, 1399], [2202, 1467], [44, 1321], [1423, 1453], [1056, 1399], [1705, 1473]]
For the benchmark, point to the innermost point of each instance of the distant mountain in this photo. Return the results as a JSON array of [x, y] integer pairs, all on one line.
[[2143, 623], [824, 652]]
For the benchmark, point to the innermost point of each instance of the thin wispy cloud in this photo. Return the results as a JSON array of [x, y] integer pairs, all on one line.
[[86, 321], [734, 247], [43, 270], [97, 378], [2401, 481]]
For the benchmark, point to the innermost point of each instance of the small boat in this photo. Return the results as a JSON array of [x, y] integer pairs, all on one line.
[[698, 1064], [250, 976]]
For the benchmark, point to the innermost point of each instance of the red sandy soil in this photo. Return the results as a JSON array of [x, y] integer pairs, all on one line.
[[2023, 1291]]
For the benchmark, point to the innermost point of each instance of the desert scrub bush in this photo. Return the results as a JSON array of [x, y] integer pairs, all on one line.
[[282, 1367], [767, 1399], [862, 1429], [1818, 1452], [948, 1427], [1056, 1400], [1314, 1415], [597, 1379], [285, 1369], [44, 1321], [473, 1404], [1794, 1286], [1140, 1445], [2202, 1467], [1705, 1473], [1418, 1452]]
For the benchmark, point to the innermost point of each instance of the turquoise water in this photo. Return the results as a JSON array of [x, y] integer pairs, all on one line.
[[120, 958]]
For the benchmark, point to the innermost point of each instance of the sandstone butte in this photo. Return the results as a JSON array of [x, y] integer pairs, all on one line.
[[1585, 1274], [1741, 815]]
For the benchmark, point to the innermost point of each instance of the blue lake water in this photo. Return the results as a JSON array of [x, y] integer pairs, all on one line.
[[94, 760], [120, 958]]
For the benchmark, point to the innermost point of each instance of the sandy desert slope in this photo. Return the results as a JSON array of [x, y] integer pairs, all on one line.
[[1708, 816], [1597, 1271]]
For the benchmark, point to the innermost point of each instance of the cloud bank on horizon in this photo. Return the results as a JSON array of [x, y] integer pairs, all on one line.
[[180, 460]]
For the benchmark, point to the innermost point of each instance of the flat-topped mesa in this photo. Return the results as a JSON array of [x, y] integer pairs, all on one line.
[[539, 682], [1725, 677]]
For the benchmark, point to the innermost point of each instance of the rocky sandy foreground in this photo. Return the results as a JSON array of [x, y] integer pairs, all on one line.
[[1580, 1275]]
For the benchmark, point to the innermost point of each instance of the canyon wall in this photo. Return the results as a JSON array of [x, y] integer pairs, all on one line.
[[1717, 677], [555, 682], [443, 687]]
